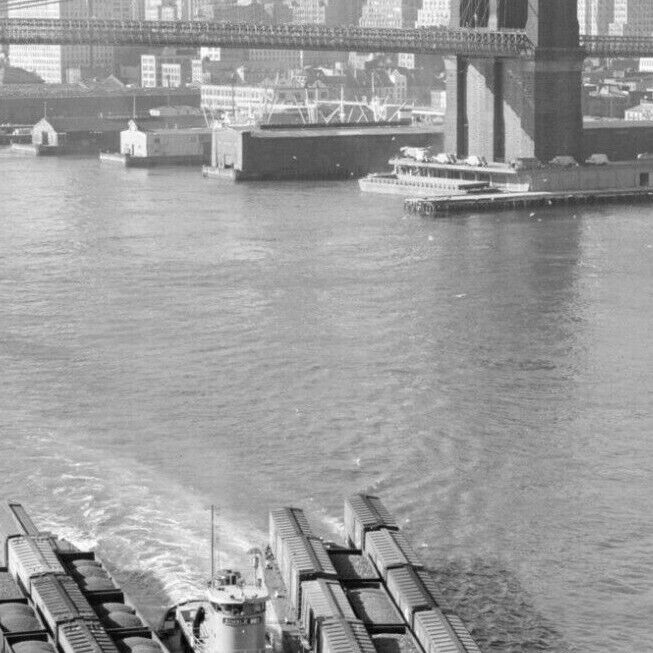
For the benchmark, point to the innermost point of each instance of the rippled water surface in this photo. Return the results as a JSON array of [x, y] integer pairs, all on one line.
[[167, 342]]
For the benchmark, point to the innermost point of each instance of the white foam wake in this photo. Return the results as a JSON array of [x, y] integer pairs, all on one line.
[[153, 532]]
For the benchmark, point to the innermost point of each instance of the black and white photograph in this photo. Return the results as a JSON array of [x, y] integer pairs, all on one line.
[[326, 326]]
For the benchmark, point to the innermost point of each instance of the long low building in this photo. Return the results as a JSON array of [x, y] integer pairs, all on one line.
[[343, 151], [75, 135], [621, 140], [24, 104]]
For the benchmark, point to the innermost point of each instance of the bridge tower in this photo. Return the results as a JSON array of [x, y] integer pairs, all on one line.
[[526, 107]]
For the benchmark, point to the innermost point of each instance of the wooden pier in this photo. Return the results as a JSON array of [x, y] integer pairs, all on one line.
[[432, 206]]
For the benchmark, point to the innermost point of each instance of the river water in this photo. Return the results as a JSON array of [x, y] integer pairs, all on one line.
[[168, 342]]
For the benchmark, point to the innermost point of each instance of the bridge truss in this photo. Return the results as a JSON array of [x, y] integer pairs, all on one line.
[[604, 47], [436, 40], [468, 42]]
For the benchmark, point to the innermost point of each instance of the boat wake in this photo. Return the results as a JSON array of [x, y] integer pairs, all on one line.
[[152, 533]]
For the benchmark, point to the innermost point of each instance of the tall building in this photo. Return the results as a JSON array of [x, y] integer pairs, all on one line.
[[326, 12], [169, 10], [435, 12], [595, 16], [66, 63], [138, 9], [254, 12], [390, 13], [632, 17], [3, 14]]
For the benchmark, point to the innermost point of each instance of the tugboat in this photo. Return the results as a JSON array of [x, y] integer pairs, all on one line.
[[229, 619]]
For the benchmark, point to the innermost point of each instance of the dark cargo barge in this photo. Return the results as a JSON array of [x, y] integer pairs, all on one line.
[[55, 598], [368, 594], [437, 206], [289, 152]]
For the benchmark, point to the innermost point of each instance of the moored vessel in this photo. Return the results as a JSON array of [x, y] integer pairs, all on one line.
[[440, 175], [447, 176], [56, 598]]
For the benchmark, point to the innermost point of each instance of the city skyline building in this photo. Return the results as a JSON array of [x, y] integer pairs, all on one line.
[[253, 12], [326, 12], [58, 64], [434, 12], [4, 49], [390, 13], [632, 17], [595, 16], [168, 10]]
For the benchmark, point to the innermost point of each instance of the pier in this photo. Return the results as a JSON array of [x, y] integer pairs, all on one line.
[[436, 206]]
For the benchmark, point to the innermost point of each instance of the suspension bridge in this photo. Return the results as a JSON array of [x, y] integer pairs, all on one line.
[[514, 67]]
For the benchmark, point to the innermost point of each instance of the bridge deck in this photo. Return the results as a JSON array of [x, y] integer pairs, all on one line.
[[436, 40], [617, 46], [427, 40]]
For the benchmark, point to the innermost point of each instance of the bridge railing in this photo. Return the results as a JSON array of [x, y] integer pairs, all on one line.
[[426, 40], [432, 40], [617, 46]]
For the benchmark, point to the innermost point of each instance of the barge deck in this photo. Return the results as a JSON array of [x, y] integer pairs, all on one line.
[[282, 624], [435, 206]]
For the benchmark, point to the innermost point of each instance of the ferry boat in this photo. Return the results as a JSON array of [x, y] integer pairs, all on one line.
[[412, 177], [445, 175]]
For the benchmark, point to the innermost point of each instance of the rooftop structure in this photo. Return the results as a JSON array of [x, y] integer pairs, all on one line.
[[236, 594]]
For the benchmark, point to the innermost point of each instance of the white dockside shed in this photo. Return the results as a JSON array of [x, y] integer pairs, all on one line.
[[166, 143]]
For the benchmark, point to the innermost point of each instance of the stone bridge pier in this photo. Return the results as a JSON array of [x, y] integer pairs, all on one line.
[[526, 107]]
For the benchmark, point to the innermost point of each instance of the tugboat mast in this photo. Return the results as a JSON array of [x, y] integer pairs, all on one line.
[[212, 546]]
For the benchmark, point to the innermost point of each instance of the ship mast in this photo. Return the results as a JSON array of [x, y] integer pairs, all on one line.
[[214, 549], [212, 546]]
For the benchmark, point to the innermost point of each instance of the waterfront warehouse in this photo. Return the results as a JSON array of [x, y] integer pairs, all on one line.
[[342, 151]]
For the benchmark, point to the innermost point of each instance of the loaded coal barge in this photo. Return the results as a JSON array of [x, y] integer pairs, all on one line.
[[368, 594]]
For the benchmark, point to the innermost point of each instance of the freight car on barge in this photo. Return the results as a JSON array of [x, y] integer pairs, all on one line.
[[368, 594], [55, 598]]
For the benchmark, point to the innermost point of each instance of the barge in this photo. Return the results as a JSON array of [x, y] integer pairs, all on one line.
[[55, 598], [369, 593], [491, 202], [129, 161], [312, 151]]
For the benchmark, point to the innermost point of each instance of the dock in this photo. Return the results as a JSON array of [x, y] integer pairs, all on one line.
[[113, 158], [491, 202], [24, 148]]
